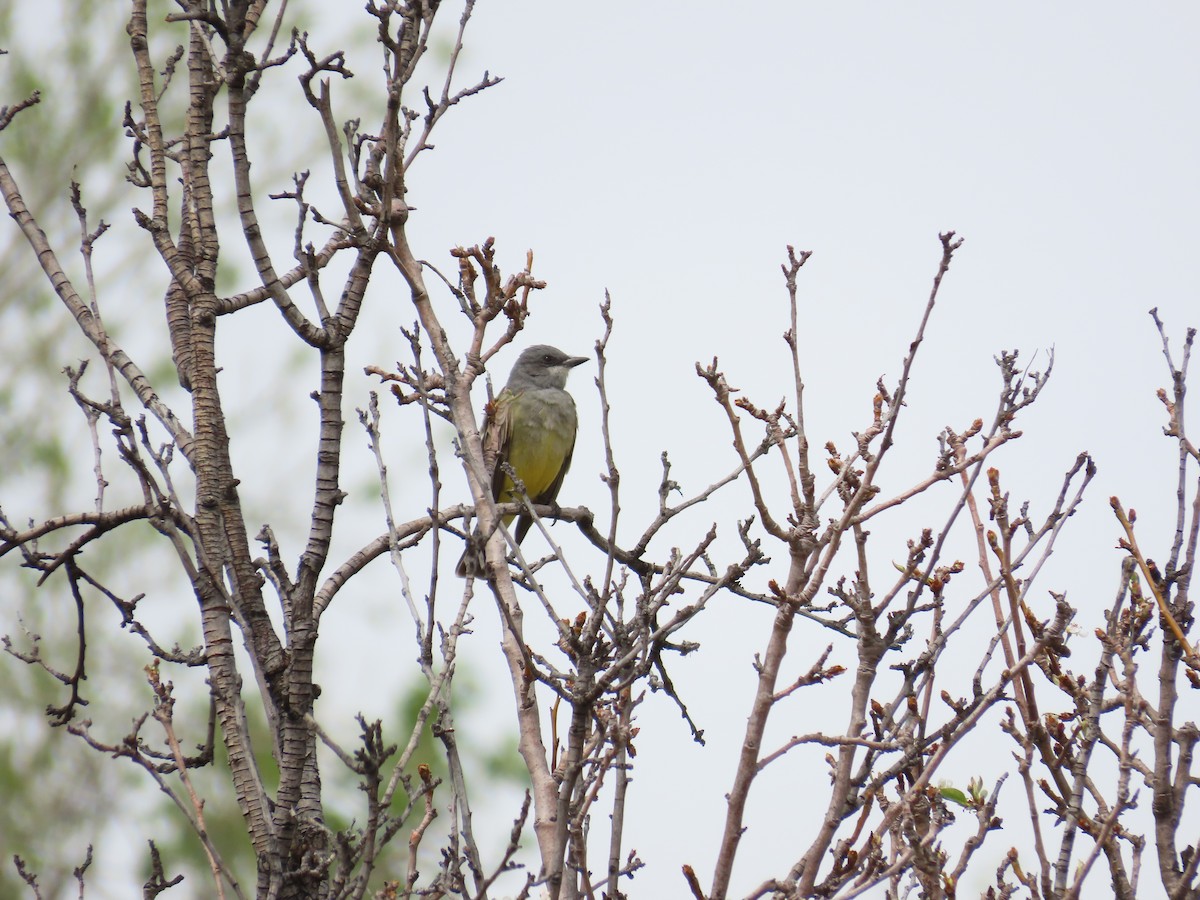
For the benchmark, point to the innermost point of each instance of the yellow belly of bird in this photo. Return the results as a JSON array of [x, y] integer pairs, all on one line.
[[538, 446]]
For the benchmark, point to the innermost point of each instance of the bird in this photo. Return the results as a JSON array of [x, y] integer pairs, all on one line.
[[531, 427]]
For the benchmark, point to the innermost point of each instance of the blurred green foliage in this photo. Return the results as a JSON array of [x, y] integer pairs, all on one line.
[[60, 795]]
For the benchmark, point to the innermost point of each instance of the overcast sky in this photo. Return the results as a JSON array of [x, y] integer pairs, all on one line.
[[668, 153]]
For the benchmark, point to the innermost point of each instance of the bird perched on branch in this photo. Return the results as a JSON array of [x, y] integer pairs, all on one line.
[[531, 429]]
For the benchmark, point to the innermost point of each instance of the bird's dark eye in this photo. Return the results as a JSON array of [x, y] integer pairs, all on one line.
[[547, 358]]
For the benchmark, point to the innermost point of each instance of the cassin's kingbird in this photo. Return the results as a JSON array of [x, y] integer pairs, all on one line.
[[532, 426]]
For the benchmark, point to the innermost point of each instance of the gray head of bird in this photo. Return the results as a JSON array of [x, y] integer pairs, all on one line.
[[543, 366]]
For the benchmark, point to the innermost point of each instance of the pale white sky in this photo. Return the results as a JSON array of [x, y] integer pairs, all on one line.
[[668, 152]]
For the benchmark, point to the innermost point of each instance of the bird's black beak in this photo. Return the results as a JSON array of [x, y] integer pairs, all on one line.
[[573, 361]]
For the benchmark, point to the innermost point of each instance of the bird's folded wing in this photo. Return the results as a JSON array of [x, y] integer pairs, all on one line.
[[496, 428]]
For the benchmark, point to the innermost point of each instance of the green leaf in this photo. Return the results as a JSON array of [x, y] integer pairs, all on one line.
[[954, 795]]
